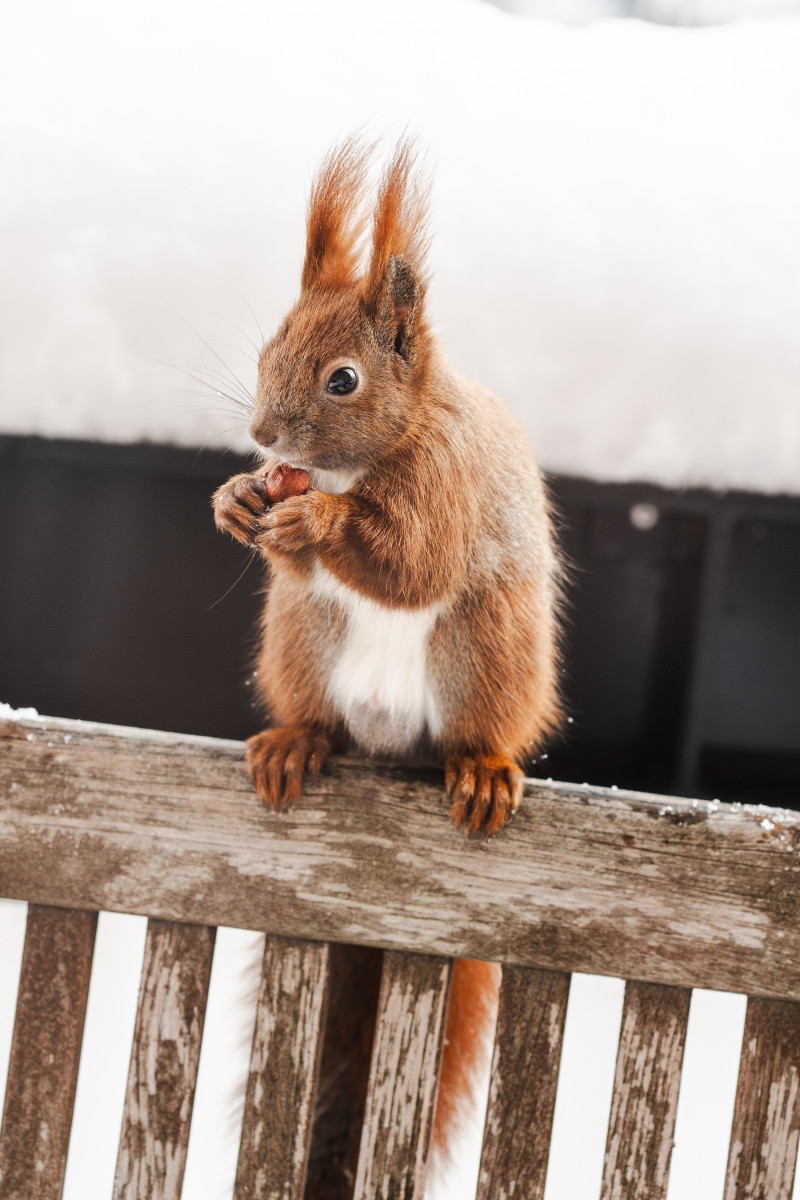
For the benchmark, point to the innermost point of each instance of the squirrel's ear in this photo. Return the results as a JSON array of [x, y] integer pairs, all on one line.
[[335, 217], [398, 307], [394, 286]]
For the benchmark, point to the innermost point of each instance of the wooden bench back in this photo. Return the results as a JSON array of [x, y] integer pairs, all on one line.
[[666, 893]]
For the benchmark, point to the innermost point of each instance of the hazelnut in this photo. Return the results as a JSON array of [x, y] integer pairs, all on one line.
[[284, 481]]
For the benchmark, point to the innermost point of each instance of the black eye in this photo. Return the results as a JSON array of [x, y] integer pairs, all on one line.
[[342, 381]]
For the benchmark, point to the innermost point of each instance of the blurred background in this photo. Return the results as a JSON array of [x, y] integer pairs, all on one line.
[[616, 252]]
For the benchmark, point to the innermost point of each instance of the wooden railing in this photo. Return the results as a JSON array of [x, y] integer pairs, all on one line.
[[668, 894]]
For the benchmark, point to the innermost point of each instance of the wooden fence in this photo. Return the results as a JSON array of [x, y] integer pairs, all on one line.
[[667, 894]]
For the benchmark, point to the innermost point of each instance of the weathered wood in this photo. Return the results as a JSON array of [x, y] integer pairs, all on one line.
[[645, 1097], [404, 1076], [45, 1051], [766, 1117], [354, 984], [522, 1089], [163, 1070], [677, 892], [284, 1066]]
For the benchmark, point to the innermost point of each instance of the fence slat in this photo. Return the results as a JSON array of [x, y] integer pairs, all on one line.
[[522, 1091], [766, 1115], [163, 1070], [404, 1076], [45, 1051], [645, 1097], [284, 1067]]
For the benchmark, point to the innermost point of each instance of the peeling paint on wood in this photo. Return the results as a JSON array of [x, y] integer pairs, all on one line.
[[645, 1098], [766, 1119], [584, 879], [284, 1067], [404, 1076], [163, 1070], [45, 1051], [522, 1090]]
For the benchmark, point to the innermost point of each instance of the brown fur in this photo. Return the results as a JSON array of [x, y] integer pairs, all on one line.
[[334, 220], [447, 508], [470, 1020]]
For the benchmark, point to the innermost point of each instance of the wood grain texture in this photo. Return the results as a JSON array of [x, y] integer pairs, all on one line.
[[163, 1070], [766, 1118], [404, 1076], [354, 986], [645, 1096], [685, 893], [522, 1089], [284, 1067], [45, 1051]]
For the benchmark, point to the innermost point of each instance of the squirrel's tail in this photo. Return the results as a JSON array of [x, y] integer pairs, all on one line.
[[470, 1023]]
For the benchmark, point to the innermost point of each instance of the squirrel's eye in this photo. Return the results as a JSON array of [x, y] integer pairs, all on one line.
[[342, 381]]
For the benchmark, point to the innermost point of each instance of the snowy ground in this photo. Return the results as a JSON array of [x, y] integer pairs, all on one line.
[[617, 216]]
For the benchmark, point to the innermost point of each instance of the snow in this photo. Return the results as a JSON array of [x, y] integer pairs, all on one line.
[[8, 713], [616, 217], [665, 12]]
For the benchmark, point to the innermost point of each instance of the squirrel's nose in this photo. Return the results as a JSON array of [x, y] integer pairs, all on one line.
[[265, 435]]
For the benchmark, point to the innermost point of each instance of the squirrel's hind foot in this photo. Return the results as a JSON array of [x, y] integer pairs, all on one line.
[[278, 758], [485, 790]]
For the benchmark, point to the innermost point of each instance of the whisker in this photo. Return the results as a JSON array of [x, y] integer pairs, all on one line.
[[193, 410], [248, 564], [252, 312], [189, 372], [216, 379], [219, 433], [222, 432], [246, 336], [244, 406], [199, 387], [237, 350], [219, 358]]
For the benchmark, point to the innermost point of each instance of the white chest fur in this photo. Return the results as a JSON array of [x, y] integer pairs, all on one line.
[[379, 680], [332, 482]]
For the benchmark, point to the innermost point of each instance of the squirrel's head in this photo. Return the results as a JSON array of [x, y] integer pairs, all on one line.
[[340, 382]]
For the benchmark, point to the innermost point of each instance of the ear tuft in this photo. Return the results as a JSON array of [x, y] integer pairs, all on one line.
[[399, 223], [336, 218], [394, 285]]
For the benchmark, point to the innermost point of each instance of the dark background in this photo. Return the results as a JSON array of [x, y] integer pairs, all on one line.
[[119, 602]]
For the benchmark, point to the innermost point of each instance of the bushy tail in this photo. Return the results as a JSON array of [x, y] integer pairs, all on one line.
[[470, 1024]]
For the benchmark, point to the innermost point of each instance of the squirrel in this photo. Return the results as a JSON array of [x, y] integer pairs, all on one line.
[[413, 595]]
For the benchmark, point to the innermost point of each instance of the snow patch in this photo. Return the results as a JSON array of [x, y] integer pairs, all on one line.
[[7, 713], [616, 218]]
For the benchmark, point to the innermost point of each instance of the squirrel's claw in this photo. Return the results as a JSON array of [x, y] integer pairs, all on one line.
[[278, 758], [239, 506], [485, 790], [293, 525]]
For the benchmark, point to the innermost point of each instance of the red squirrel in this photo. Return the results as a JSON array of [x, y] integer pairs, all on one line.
[[413, 583]]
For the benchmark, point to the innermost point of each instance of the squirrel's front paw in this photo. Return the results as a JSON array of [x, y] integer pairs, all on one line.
[[239, 507], [485, 791], [295, 524], [278, 758]]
